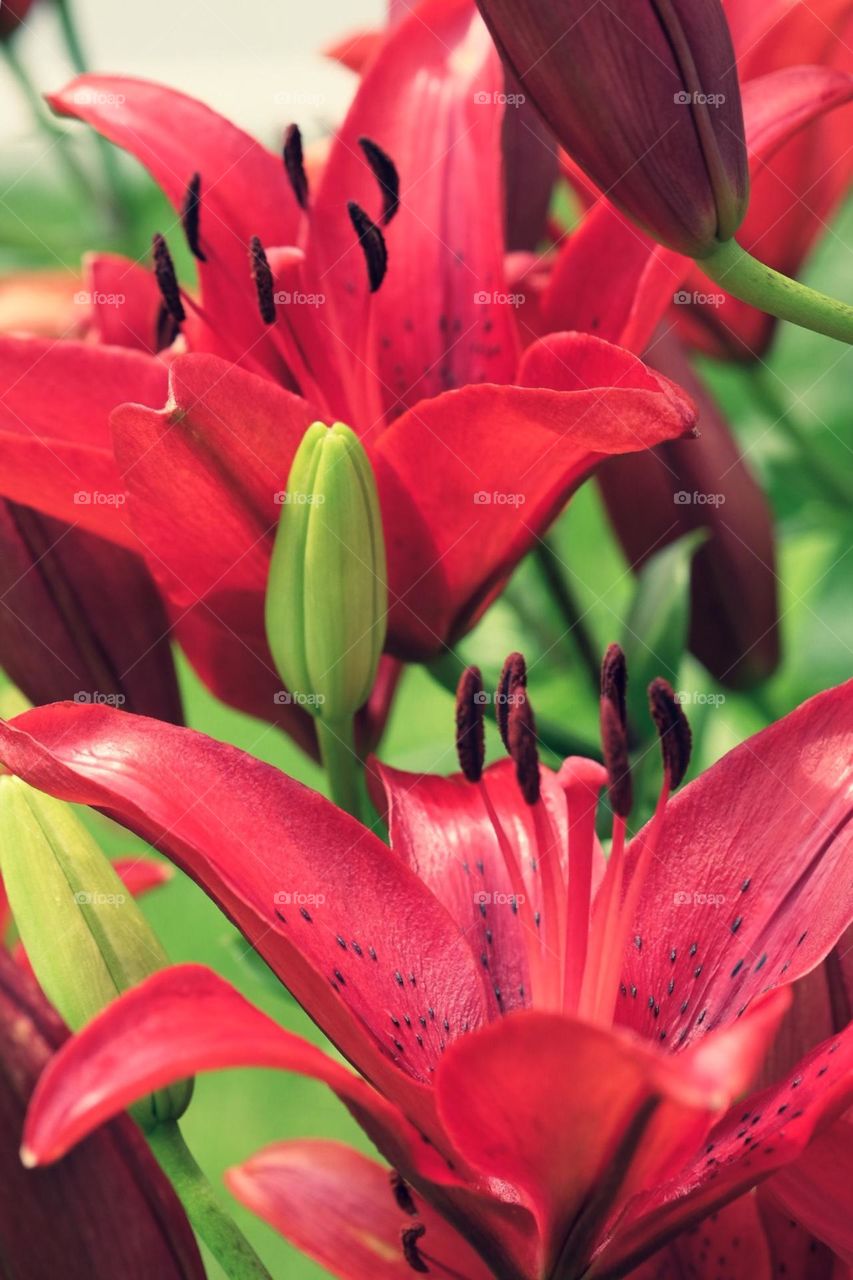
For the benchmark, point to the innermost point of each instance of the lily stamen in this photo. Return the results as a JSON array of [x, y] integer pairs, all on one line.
[[294, 165]]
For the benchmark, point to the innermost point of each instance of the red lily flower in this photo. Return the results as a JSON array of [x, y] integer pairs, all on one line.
[[572, 1055], [109, 1210], [461, 433]]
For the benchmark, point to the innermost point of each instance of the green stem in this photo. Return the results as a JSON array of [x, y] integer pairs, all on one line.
[[823, 476], [551, 568], [57, 135], [342, 764], [109, 160], [209, 1218], [753, 282]]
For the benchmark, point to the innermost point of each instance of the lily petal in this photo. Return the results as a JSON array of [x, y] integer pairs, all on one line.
[[308, 885], [441, 317], [80, 618], [339, 1207], [203, 476], [244, 193], [55, 402], [501, 462], [628, 1115], [758, 1136], [105, 1211], [125, 301], [750, 888], [817, 1189]]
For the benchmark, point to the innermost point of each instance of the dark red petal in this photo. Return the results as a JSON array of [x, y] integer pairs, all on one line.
[[468, 480], [317, 894], [55, 402], [338, 1206], [203, 476], [107, 1210], [80, 618], [748, 889], [441, 317]]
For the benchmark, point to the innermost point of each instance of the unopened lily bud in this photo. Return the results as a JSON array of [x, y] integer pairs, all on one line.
[[644, 96], [327, 593], [85, 937]]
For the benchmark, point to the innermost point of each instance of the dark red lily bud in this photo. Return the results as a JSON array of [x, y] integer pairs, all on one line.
[[80, 618], [644, 96], [106, 1210], [12, 14], [660, 495]]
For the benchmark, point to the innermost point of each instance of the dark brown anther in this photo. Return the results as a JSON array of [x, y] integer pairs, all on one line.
[[166, 328], [521, 733], [409, 1239], [470, 726], [372, 243], [513, 676], [673, 730], [402, 1194], [614, 681], [190, 215], [385, 173], [262, 276], [167, 280], [294, 164], [614, 729], [614, 744]]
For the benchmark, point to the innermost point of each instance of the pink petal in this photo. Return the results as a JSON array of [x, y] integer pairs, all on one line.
[[318, 895], [339, 1207], [750, 888]]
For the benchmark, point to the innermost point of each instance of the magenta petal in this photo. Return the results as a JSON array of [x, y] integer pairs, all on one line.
[[339, 1207], [745, 894], [355, 935]]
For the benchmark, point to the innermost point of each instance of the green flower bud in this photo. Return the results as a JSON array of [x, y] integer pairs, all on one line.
[[327, 596], [84, 935]]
